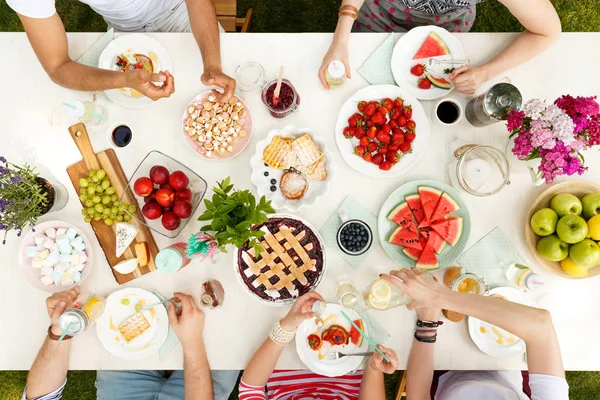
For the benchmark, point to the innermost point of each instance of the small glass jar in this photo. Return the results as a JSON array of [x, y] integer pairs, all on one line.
[[84, 311], [523, 277], [463, 282], [335, 74], [213, 294], [173, 258], [289, 99], [349, 296]]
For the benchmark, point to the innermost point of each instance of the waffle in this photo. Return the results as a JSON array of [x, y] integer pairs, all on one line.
[[134, 327], [306, 150], [300, 153], [276, 152], [315, 171]]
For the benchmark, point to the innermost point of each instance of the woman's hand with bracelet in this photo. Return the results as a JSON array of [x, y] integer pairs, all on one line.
[[337, 51], [300, 311]]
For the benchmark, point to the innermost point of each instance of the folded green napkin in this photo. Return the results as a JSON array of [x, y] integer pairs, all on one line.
[[354, 210], [91, 57], [377, 70]]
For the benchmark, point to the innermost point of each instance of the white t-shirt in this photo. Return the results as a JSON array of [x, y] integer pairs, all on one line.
[[124, 15], [499, 385]]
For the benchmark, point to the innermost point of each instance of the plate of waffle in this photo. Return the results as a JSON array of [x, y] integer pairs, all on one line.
[[129, 333], [292, 168]]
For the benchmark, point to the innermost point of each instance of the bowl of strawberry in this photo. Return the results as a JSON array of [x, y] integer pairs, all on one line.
[[382, 131], [168, 193]]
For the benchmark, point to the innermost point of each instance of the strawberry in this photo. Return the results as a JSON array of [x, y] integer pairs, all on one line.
[[393, 147], [383, 150], [347, 133], [352, 122], [372, 132], [372, 147], [402, 121], [386, 166], [410, 137], [359, 132], [367, 157], [361, 106], [424, 83], [405, 147], [398, 137], [384, 138], [408, 112], [359, 151], [392, 157], [393, 123], [378, 119], [377, 159], [411, 125], [370, 123], [383, 110], [369, 109], [386, 128], [388, 103], [418, 70], [364, 141], [395, 114], [399, 102]]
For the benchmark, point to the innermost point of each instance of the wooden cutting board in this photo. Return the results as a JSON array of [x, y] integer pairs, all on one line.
[[108, 161]]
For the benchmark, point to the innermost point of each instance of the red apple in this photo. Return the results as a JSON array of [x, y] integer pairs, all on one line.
[[170, 221], [178, 180], [143, 186], [165, 197], [152, 210], [182, 208], [185, 194], [159, 174], [151, 197]]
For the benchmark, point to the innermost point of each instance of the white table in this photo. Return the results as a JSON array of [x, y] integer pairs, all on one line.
[[31, 131]]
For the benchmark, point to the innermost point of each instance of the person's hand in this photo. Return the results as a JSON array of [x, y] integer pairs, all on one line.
[[467, 80], [145, 83], [216, 77], [378, 363], [57, 304], [188, 321], [337, 51], [300, 311], [421, 287]]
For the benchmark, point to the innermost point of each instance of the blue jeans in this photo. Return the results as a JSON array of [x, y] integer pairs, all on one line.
[[154, 385]]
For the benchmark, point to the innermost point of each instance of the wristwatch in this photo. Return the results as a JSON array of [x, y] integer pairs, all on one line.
[[54, 337]]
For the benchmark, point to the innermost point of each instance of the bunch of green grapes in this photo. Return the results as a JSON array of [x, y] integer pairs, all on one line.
[[100, 200]]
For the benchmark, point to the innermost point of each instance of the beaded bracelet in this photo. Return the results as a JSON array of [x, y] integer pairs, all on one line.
[[280, 336]]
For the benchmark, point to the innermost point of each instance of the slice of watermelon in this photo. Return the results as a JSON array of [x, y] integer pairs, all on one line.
[[433, 46], [440, 82], [355, 337], [414, 203], [405, 238], [403, 217], [445, 206], [429, 199], [428, 260], [414, 254], [449, 229], [436, 240]]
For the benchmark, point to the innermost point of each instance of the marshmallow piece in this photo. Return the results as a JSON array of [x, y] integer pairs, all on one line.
[[66, 280], [71, 233], [61, 231], [36, 263], [62, 240], [47, 271], [66, 249], [65, 258], [51, 260], [39, 240], [41, 247], [48, 243], [80, 267], [47, 280], [51, 233], [62, 267], [44, 254], [76, 276], [32, 251], [79, 247], [75, 259], [83, 257], [54, 248], [78, 239], [56, 277]]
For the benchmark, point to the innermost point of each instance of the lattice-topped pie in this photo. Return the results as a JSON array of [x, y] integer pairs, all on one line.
[[290, 264]]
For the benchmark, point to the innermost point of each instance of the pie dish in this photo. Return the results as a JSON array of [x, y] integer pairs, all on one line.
[[292, 261]]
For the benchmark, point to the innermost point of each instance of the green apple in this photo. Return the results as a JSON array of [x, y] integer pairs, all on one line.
[[565, 203], [552, 248], [544, 222], [585, 253], [591, 205], [571, 229]]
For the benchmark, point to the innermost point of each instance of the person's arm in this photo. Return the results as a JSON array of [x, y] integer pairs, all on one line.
[[188, 324], [533, 325], [49, 370], [203, 20], [372, 386], [542, 29], [49, 42], [263, 362], [339, 45]]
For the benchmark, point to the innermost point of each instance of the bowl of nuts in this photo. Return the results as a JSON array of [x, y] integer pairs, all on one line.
[[214, 130]]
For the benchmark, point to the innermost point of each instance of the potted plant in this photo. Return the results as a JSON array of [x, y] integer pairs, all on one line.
[[25, 196], [232, 214]]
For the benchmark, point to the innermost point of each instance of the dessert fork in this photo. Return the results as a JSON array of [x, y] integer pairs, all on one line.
[[336, 355]]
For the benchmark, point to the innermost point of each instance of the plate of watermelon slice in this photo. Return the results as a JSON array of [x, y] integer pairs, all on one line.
[[424, 224], [425, 42]]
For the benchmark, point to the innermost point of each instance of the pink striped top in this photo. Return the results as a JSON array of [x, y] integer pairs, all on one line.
[[297, 385]]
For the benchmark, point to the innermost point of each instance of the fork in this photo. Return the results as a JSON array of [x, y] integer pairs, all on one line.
[[336, 355], [437, 61]]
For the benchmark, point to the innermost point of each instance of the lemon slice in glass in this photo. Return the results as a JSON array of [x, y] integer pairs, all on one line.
[[380, 295]]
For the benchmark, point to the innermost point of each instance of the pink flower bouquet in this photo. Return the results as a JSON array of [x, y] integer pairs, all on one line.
[[555, 133]]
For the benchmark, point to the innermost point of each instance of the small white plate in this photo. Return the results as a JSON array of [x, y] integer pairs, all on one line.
[[325, 367], [129, 44], [116, 312], [402, 60], [316, 189], [487, 340], [346, 146]]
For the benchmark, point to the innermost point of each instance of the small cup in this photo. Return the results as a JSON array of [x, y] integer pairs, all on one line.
[[346, 227], [448, 112], [109, 135]]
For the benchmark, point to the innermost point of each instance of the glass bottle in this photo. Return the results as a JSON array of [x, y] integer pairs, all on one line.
[[213, 295], [523, 277], [382, 295], [335, 74]]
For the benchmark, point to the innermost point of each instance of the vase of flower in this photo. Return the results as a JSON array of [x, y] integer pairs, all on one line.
[[547, 139], [25, 196]]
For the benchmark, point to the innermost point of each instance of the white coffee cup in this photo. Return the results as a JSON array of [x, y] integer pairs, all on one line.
[[452, 102]]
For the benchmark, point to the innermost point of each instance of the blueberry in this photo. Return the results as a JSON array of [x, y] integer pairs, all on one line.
[[273, 181], [273, 188], [266, 173], [266, 165]]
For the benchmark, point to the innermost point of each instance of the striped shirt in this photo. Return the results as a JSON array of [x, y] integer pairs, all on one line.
[[56, 395], [304, 385]]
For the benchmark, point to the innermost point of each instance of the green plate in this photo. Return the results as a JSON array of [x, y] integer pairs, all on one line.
[[386, 227]]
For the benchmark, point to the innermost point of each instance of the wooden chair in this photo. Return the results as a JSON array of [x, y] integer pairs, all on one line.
[[226, 14], [401, 387]]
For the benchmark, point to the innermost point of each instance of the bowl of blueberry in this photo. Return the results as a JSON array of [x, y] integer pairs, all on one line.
[[354, 237]]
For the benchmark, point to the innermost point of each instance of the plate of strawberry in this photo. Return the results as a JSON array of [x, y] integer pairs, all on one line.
[[382, 131]]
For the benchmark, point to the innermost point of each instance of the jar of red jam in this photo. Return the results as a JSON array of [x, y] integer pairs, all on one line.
[[289, 99]]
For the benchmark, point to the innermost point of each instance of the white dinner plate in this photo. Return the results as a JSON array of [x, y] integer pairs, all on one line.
[[129, 44], [117, 311], [405, 50], [325, 367], [316, 189], [346, 146], [487, 336]]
